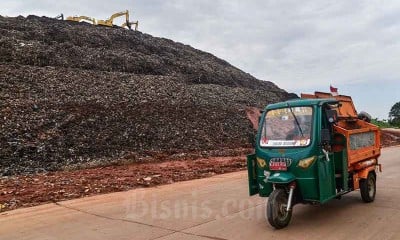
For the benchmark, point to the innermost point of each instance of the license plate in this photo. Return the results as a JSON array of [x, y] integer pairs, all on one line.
[[277, 165]]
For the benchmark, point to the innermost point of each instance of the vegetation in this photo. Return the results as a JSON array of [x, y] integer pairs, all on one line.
[[394, 115], [394, 118], [381, 123]]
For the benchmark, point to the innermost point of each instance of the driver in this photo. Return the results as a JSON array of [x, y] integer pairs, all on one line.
[[296, 133]]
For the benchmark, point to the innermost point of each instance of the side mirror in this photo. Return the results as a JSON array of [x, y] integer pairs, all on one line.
[[259, 116], [331, 115]]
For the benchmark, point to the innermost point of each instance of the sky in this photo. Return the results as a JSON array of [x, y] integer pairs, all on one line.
[[302, 46]]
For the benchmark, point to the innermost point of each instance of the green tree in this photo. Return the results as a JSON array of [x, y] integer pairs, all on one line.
[[394, 115]]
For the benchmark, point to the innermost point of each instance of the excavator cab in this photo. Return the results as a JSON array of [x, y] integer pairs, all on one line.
[[82, 19]]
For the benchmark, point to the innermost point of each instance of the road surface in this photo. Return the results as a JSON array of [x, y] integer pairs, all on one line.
[[211, 208]]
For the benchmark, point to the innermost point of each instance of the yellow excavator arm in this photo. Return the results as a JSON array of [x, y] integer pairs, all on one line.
[[120, 14], [110, 22]]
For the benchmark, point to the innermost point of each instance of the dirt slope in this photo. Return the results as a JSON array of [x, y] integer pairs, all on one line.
[[73, 94]]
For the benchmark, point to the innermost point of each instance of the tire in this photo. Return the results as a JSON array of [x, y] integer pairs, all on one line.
[[368, 188], [277, 215]]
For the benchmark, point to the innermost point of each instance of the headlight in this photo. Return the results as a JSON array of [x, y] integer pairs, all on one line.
[[261, 163], [306, 162]]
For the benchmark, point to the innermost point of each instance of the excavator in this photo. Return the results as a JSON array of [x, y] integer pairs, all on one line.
[[108, 22], [60, 17]]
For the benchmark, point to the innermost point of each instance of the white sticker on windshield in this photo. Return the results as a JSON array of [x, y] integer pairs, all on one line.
[[285, 143]]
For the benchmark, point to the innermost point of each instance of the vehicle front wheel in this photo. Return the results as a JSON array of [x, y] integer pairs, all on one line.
[[368, 188], [277, 215]]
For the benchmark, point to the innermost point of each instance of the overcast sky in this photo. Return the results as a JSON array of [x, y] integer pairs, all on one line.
[[301, 46]]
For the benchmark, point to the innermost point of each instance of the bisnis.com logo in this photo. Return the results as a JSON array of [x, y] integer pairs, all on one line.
[[142, 204]]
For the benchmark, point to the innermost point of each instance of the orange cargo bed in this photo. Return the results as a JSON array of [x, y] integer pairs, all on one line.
[[363, 140]]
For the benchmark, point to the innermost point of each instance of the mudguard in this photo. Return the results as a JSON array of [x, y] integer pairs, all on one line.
[[281, 177]]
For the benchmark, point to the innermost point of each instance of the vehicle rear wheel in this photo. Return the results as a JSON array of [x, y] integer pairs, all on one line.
[[277, 215], [368, 188]]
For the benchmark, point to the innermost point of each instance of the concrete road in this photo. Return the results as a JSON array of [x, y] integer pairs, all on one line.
[[212, 208]]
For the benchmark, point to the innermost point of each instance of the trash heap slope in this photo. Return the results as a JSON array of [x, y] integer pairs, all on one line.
[[73, 93]]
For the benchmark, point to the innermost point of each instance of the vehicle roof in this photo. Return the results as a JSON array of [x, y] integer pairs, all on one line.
[[301, 102]]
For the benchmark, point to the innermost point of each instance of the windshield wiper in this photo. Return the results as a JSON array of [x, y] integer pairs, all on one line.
[[295, 118]]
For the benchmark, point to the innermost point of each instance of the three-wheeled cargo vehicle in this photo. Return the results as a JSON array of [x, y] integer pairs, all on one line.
[[311, 150]]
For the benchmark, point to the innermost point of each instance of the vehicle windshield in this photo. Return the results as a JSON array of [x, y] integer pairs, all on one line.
[[287, 127]]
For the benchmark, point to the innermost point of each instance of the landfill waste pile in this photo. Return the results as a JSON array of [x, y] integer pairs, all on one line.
[[73, 94]]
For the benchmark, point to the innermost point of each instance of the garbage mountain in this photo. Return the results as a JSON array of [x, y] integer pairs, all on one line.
[[73, 94]]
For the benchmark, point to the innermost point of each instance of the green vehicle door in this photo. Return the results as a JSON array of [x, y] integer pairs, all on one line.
[[326, 178], [326, 163]]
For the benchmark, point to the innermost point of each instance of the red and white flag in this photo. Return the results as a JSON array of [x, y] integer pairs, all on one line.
[[334, 91]]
